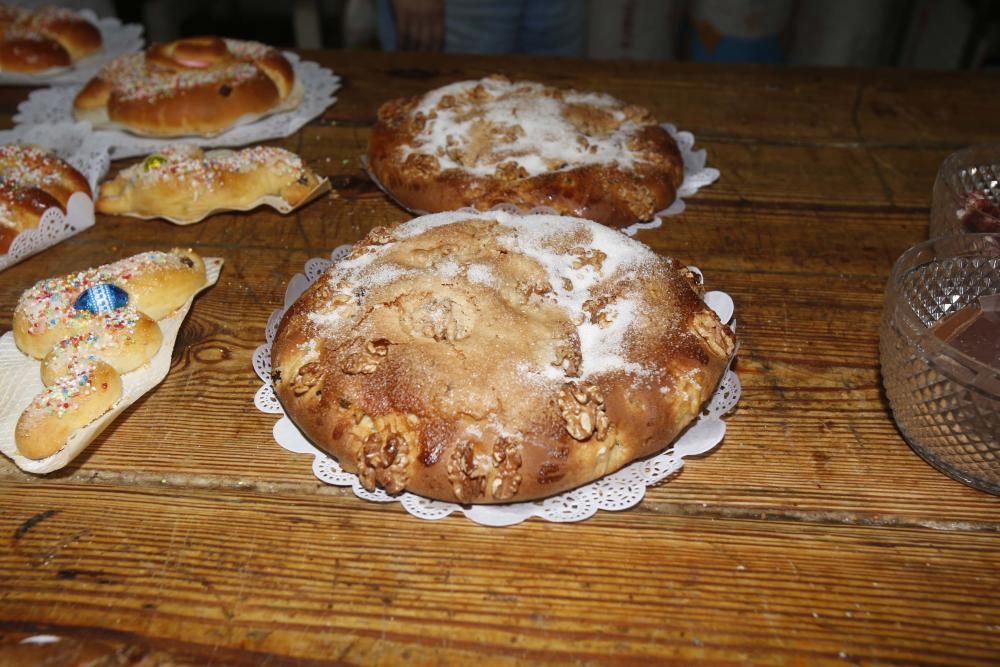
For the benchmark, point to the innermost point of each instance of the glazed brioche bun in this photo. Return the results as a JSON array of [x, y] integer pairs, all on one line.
[[192, 86], [76, 400], [157, 284], [183, 183], [38, 40], [125, 347]]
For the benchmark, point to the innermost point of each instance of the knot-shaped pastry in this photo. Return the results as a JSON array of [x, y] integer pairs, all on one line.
[[88, 329], [32, 180], [184, 184], [192, 86], [494, 358], [41, 39]]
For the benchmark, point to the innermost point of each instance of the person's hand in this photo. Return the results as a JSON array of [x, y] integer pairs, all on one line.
[[419, 24]]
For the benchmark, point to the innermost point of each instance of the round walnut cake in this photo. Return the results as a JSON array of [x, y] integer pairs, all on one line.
[[486, 357], [493, 141]]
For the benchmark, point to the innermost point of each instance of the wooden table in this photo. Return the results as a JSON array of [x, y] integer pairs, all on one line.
[[812, 536]]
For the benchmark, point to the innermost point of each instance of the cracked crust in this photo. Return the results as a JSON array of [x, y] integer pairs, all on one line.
[[462, 357], [493, 141]]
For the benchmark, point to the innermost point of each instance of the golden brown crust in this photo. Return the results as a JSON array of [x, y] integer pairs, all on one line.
[[32, 180], [192, 86], [37, 40], [185, 184], [87, 393], [31, 55], [124, 353], [472, 359], [489, 142]]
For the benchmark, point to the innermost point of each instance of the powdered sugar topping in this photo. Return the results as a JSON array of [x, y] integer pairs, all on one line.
[[574, 276], [478, 125]]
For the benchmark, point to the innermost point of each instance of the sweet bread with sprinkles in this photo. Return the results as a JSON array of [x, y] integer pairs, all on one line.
[[35, 40], [90, 327], [185, 184], [490, 358], [495, 141], [192, 86], [156, 283], [33, 180]]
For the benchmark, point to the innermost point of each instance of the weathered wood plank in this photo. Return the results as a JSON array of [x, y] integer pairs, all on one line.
[[811, 536], [326, 578], [756, 103]]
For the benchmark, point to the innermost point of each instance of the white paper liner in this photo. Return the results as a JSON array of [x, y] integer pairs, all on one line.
[[66, 141], [617, 491], [118, 40], [277, 203], [20, 382], [54, 106], [54, 226], [696, 176]]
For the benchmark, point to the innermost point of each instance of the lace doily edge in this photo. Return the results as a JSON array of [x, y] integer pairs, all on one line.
[[54, 227]]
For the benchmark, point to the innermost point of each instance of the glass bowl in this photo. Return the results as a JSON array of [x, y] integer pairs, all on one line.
[[966, 194], [945, 402]]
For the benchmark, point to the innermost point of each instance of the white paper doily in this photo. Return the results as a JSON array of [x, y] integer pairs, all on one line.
[[118, 40], [696, 176], [68, 141], [617, 491], [53, 227], [54, 106]]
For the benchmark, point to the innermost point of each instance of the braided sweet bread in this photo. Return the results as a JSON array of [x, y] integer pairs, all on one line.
[[492, 358], [32, 180], [192, 86], [184, 184], [89, 328], [494, 141], [37, 40]]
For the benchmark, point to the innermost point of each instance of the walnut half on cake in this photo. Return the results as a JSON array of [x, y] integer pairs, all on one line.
[[494, 141], [488, 358]]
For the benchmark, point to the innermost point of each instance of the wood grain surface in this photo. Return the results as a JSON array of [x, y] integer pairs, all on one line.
[[812, 536]]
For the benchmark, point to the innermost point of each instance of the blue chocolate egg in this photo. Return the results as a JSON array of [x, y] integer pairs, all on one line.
[[101, 298]]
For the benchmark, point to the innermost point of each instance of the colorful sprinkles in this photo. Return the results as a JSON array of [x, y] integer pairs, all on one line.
[[62, 395], [132, 79], [50, 302], [35, 25], [189, 165], [22, 169]]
